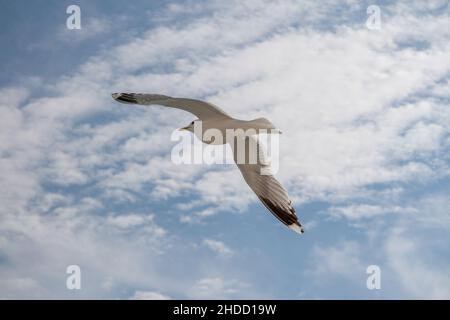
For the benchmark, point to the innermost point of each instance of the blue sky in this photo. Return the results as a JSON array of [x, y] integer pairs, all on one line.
[[364, 151]]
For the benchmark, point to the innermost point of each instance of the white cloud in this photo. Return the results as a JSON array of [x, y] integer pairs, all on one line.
[[149, 295], [420, 277], [218, 247], [126, 221], [64, 170], [363, 211], [217, 288], [93, 27], [342, 259], [408, 248]]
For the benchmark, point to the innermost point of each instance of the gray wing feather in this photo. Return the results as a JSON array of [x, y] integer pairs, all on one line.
[[203, 110], [271, 193]]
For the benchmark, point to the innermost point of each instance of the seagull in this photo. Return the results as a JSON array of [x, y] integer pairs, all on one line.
[[269, 191]]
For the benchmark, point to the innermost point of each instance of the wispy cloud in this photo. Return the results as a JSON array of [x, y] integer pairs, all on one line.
[[149, 295], [218, 247], [213, 288]]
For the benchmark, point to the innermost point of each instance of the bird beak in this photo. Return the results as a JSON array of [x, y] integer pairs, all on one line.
[[184, 129]]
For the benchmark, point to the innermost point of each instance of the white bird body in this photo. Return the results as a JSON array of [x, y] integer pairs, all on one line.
[[210, 117], [239, 127]]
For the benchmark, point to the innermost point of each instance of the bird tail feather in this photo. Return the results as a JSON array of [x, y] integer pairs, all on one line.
[[263, 123]]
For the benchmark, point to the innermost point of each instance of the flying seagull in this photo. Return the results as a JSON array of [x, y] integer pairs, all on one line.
[[265, 186]]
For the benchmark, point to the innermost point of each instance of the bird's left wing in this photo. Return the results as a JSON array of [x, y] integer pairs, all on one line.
[[271, 193], [203, 110]]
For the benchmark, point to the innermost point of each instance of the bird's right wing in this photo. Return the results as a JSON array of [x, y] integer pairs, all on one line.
[[266, 187], [203, 110]]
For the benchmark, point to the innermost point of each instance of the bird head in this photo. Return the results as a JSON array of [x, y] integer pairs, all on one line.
[[190, 127]]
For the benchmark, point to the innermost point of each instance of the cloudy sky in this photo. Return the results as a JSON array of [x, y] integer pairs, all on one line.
[[364, 153]]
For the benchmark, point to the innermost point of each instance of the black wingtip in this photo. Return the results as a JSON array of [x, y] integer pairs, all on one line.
[[297, 228], [288, 217], [125, 97]]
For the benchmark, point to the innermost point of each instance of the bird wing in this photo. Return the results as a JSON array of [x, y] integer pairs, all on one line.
[[203, 110], [266, 187]]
